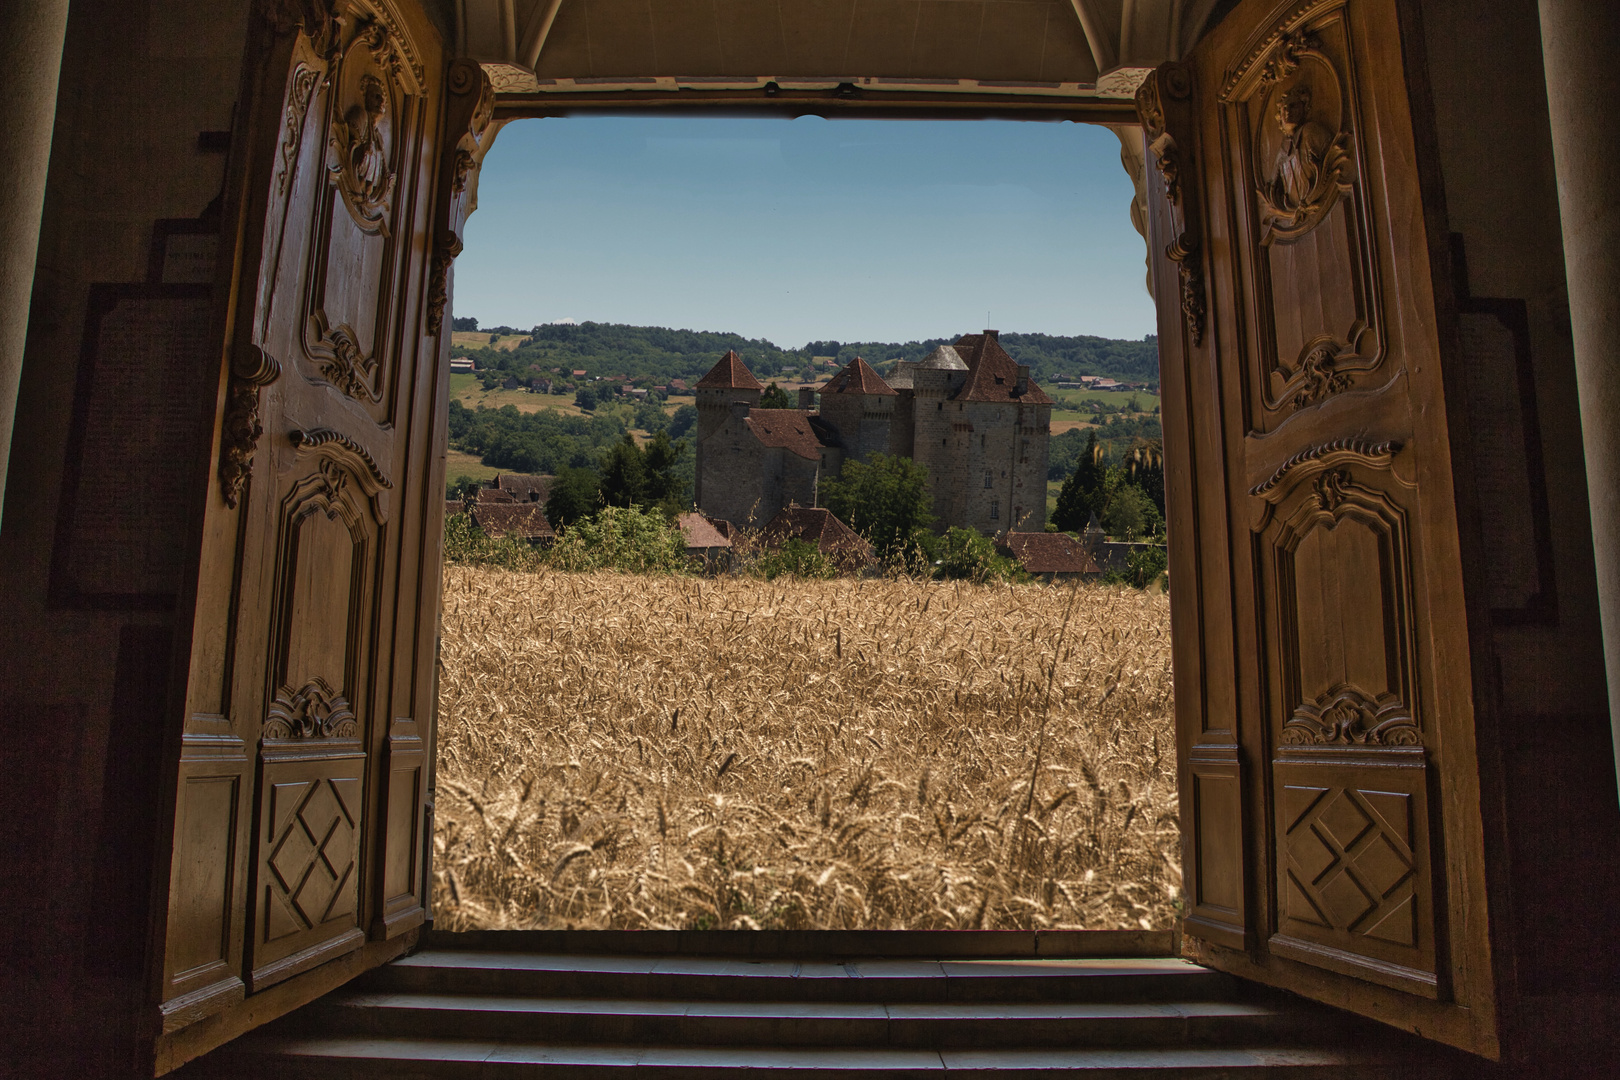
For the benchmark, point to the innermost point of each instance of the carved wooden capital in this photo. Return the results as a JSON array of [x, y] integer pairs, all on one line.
[[470, 128]]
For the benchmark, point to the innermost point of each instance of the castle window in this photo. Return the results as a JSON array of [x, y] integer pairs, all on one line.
[[995, 509], [989, 479]]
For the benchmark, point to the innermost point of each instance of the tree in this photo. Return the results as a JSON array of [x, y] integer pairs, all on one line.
[[664, 486], [775, 397], [1129, 513], [650, 418], [575, 496], [1085, 492], [466, 322], [1144, 467], [623, 474], [586, 398], [884, 499], [685, 418]]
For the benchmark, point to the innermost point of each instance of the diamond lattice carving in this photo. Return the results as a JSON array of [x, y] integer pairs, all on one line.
[[1350, 863], [312, 860]]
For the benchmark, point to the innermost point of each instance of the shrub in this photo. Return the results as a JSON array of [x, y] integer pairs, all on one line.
[[621, 538], [467, 545], [795, 558], [966, 555]]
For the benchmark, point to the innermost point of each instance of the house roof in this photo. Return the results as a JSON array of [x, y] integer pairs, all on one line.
[[816, 526], [700, 532], [992, 374], [526, 520], [730, 374], [452, 507], [857, 378], [1048, 553], [525, 487], [495, 495], [790, 429]]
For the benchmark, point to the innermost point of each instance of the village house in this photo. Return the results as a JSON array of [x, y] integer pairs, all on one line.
[[968, 413], [1052, 556]]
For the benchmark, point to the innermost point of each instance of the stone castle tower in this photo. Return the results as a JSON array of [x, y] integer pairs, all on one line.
[[968, 413]]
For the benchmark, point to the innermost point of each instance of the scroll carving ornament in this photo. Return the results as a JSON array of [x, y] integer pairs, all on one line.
[[240, 437], [305, 80], [251, 368], [314, 712], [316, 438], [1167, 157], [316, 18], [1331, 489], [341, 361], [1364, 450], [1321, 379], [1345, 716], [473, 104]]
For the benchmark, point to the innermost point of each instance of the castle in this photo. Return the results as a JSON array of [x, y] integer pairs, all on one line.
[[968, 413]]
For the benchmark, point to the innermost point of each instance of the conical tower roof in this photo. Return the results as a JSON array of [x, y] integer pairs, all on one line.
[[857, 378], [943, 358], [730, 374]]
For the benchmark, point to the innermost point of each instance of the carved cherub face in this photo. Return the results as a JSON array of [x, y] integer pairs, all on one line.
[[371, 90], [1294, 109]]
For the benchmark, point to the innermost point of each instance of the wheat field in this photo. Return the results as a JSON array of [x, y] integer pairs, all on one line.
[[634, 752]]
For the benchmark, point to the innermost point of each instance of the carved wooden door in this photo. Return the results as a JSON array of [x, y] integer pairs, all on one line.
[[302, 808], [1327, 680]]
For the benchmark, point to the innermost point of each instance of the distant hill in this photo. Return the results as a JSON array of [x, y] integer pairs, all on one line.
[[661, 353]]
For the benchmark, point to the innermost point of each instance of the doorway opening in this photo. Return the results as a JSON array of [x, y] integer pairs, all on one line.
[[663, 706]]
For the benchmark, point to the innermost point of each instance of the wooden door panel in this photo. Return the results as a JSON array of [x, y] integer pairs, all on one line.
[[304, 778], [1306, 224], [1335, 843]]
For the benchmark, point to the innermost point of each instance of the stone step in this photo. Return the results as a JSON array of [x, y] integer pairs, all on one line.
[[398, 1058], [688, 978], [800, 1023]]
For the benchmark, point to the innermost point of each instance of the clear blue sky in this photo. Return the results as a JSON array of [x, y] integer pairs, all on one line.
[[807, 229]]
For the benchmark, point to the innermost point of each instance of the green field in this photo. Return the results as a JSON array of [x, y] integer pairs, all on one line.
[[1114, 398], [459, 463]]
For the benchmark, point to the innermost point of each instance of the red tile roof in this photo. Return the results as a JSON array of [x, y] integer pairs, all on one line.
[[525, 487], [495, 495], [819, 527], [992, 374], [700, 532], [730, 374], [525, 520], [857, 378], [1048, 553], [787, 428]]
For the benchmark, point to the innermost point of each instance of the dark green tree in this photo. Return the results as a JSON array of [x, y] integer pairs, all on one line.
[[623, 474], [775, 397], [585, 397], [575, 496], [665, 486], [684, 420], [884, 499], [1144, 467], [1085, 492]]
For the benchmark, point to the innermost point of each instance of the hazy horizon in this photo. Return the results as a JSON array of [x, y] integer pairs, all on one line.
[[807, 229]]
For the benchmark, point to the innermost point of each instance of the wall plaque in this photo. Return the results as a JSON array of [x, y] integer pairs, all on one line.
[[140, 421], [1505, 439]]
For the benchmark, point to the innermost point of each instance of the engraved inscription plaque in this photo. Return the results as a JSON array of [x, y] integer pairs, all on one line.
[[1505, 451], [139, 418]]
